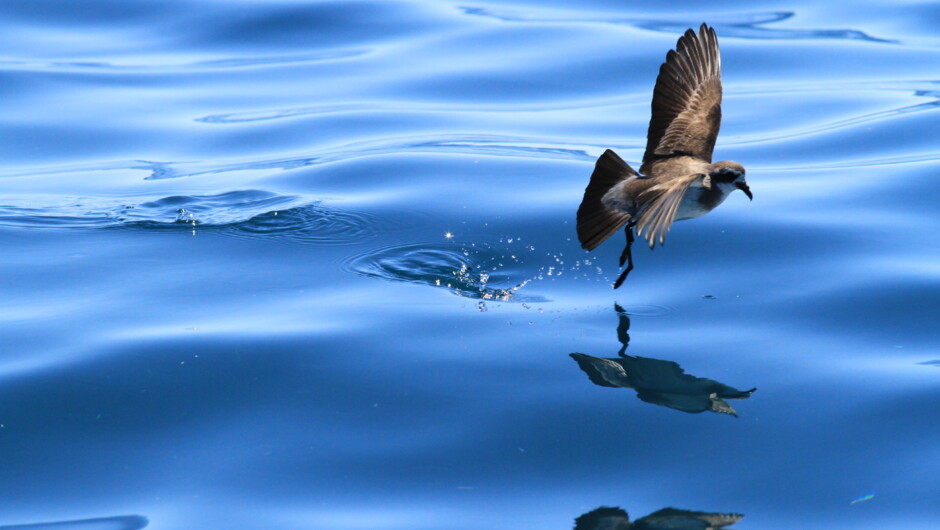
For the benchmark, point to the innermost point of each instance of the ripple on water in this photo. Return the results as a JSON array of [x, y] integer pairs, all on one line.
[[740, 25], [313, 223], [481, 273], [245, 213], [164, 66], [490, 145], [649, 310], [229, 208], [121, 522]]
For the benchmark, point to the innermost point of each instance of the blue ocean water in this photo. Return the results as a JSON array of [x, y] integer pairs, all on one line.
[[298, 264]]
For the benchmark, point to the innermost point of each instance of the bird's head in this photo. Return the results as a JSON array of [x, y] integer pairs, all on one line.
[[729, 176]]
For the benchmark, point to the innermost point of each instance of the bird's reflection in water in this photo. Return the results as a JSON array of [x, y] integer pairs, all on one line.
[[605, 518], [657, 381]]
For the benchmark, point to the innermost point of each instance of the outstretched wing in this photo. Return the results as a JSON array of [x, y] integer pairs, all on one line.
[[658, 206], [686, 100]]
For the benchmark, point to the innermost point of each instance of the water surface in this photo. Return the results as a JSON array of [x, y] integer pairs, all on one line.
[[300, 264]]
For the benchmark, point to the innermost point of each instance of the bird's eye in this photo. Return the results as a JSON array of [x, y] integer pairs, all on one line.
[[726, 175]]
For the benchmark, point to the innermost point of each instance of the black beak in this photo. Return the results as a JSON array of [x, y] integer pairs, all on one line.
[[747, 191]]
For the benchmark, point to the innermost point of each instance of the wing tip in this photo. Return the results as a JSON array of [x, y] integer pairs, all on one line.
[[691, 71]]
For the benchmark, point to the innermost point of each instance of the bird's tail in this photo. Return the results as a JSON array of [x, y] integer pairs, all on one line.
[[597, 221]]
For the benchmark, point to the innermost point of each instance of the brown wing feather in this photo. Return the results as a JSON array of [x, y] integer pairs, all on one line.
[[687, 100], [597, 222], [659, 204]]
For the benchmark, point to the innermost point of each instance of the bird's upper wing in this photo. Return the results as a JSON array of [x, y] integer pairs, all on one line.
[[686, 100], [658, 206]]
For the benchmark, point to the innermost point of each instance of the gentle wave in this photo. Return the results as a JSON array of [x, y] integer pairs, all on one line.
[[497, 145], [369, 108], [546, 148], [484, 145], [648, 310], [743, 26], [160, 65], [208, 210], [508, 146], [315, 223], [914, 158], [478, 144], [246, 214], [205, 210], [927, 89], [121, 522]]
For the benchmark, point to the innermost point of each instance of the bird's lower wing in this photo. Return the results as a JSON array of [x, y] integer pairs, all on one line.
[[659, 205]]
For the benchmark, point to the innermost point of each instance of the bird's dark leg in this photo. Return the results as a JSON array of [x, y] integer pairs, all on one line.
[[623, 329], [626, 256]]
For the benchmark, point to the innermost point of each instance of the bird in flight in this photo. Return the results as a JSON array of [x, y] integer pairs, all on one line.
[[677, 179]]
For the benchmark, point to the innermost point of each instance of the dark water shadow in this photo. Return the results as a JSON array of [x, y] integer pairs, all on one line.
[[607, 518], [657, 381], [742, 26], [120, 522]]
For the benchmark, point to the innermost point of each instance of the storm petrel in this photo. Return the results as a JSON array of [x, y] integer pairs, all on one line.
[[679, 180]]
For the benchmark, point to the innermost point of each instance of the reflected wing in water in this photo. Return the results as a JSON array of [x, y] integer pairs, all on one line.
[[661, 383], [603, 372], [673, 519], [605, 518]]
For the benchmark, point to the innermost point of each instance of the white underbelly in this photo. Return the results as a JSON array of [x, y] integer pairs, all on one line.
[[691, 207]]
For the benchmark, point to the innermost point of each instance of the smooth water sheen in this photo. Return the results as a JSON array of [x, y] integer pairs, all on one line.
[[297, 264]]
